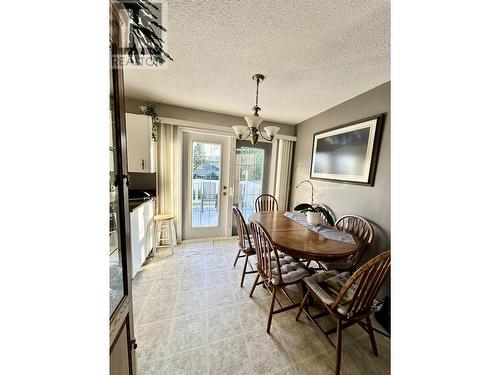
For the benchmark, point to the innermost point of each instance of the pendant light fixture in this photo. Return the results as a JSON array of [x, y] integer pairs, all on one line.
[[255, 120]]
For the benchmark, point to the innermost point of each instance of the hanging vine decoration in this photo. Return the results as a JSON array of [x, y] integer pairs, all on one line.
[[144, 31], [150, 110]]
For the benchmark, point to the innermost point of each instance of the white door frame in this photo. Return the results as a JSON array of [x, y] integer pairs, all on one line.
[[227, 166]]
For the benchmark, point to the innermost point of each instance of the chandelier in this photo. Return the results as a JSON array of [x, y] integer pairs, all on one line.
[[254, 121]]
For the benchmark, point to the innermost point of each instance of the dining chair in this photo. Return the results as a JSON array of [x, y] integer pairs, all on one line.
[[266, 202], [245, 245], [363, 230], [350, 300], [276, 269]]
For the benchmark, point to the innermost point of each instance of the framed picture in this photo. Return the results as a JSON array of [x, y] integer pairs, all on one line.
[[348, 153]]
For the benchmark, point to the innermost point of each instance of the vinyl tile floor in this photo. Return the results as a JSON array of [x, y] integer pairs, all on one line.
[[192, 317]]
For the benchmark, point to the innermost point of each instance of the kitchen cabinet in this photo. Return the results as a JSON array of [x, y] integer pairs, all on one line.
[[141, 233], [141, 149]]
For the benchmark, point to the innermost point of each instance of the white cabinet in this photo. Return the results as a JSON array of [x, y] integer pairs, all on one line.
[[141, 149], [141, 233]]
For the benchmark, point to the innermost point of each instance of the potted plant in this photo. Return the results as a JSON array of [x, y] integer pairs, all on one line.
[[313, 214], [150, 110]]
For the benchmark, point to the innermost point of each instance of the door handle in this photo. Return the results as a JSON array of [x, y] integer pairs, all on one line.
[[134, 343], [127, 178], [142, 164]]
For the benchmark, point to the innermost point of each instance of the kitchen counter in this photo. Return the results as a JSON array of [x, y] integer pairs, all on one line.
[[142, 211]]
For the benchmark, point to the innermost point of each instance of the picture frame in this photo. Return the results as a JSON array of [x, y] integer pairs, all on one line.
[[348, 153]]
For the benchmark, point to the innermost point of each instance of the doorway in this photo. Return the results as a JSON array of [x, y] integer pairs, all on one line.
[[205, 193]]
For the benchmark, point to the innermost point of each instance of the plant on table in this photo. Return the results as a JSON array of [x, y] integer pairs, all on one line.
[[313, 213]]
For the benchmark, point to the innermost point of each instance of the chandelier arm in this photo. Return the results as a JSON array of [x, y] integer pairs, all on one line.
[[246, 136], [262, 135]]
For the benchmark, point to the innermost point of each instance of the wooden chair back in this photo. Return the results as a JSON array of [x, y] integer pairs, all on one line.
[[241, 227], [265, 251], [266, 202], [367, 281], [361, 228]]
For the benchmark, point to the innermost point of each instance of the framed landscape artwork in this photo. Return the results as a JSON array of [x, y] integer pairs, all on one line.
[[348, 153]]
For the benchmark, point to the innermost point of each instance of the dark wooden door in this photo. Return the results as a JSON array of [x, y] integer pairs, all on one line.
[[121, 327]]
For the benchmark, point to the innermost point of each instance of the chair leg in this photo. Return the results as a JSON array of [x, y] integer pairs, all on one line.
[[173, 241], [160, 234], [254, 284], [339, 347], [271, 309], [244, 271], [237, 257], [156, 237], [302, 304], [300, 286], [172, 236], [372, 336], [174, 229]]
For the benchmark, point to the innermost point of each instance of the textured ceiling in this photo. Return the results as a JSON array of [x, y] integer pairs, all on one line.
[[314, 54]]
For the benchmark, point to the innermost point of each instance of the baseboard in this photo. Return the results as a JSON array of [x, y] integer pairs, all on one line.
[[209, 239]]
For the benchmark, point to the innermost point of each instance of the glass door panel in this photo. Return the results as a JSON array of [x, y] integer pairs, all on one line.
[[252, 175], [206, 167], [250, 164], [116, 276]]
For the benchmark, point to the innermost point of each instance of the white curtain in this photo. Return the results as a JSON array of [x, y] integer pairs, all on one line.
[[167, 169], [283, 169]]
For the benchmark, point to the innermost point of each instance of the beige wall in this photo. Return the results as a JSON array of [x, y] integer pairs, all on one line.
[[372, 203], [188, 114]]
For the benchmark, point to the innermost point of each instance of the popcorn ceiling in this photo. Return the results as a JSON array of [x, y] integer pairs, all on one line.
[[314, 54]]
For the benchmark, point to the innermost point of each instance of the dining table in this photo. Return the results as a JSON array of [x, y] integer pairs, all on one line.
[[301, 242]]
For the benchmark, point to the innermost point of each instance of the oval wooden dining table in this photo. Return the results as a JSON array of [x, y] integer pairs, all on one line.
[[298, 241]]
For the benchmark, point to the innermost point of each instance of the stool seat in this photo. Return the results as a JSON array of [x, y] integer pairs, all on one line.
[[164, 217]]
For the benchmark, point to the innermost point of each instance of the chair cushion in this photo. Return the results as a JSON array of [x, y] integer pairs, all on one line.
[[335, 284], [326, 291], [291, 270], [249, 250], [339, 265], [327, 284]]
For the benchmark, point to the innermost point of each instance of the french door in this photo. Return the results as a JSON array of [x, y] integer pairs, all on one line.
[[121, 329], [206, 190], [252, 175]]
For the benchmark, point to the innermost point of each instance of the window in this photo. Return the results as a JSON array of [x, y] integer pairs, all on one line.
[[250, 169]]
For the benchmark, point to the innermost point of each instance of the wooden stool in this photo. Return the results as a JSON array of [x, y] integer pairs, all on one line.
[[164, 224]]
